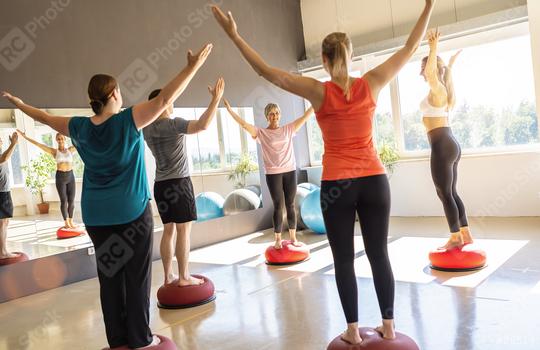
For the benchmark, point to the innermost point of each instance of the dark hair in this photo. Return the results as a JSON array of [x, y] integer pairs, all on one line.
[[100, 88], [154, 94]]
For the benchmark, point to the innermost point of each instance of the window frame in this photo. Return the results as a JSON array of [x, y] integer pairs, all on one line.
[[452, 42]]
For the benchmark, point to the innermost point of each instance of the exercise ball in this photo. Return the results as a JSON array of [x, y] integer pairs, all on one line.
[[308, 186], [64, 232], [301, 194], [288, 254], [239, 201], [373, 340], [457, 259], [255, 189], [209, 206], [166, 344], [311, 212], [172, 296], [19, 257]]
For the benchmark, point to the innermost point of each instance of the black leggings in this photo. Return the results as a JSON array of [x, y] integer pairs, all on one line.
[[124, 266], [283, 190], [445, 155], [65, 184], [370, 198]]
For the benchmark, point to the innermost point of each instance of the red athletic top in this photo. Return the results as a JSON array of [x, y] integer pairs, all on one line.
[[346, 128]]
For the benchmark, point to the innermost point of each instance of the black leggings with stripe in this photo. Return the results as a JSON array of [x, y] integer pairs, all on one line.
[[370, 198], [445, 156]]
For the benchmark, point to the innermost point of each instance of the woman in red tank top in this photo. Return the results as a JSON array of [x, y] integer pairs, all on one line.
[[353, 180]]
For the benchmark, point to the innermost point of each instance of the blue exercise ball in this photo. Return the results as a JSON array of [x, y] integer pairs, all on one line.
[[308, 186], [209, 206], [312, 213]]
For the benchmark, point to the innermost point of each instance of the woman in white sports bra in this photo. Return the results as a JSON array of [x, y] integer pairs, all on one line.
[[65, 179], [445, 150]]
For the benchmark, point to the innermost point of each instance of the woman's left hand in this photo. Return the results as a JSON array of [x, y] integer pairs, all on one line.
[[226, 22], [217, 91]]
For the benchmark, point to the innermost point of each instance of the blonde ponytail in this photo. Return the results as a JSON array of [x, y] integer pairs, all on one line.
[[337, 48], [449, 84]]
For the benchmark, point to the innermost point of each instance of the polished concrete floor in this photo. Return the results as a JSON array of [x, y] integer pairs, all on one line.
[[260, 307]]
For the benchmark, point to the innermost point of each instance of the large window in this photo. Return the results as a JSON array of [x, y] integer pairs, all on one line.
[[495, 98], [495, 104], [220, 146], [46, 136]]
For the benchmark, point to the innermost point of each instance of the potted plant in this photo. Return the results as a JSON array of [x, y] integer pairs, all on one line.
[[37, 174], [389, 157], [241, 170]]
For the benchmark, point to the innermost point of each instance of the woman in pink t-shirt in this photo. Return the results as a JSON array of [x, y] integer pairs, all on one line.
[[279, 163]]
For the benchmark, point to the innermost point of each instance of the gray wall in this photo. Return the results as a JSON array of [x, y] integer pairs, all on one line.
[[57, 48]]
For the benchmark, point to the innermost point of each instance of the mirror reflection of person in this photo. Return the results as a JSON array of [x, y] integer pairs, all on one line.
[[279, 163], [445, 150], [173, 189], [115, 199], [65, 178], [351, 166], [6, 203]]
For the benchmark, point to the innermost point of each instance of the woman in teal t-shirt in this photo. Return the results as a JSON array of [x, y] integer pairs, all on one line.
[[115, 196]]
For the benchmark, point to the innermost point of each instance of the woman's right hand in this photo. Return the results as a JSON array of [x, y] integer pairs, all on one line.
[[433, 38], [23, 134], [13, 99], [200, 57]]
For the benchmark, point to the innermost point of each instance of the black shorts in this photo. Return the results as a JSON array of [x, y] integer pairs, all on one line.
[[175, 200], [6, 205]]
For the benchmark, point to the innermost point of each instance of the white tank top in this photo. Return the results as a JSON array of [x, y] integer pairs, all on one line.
[[64, 157], [430, 111]]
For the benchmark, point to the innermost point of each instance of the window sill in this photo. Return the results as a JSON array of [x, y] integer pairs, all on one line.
[[424, 156]]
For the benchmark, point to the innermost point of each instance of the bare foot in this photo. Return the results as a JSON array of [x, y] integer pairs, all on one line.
[[278, 244], [466, 235], [455, 241], [8, 256], [170, 278], [192, 281], [351, 336], [296, 243], [155, 341], [387, 332]]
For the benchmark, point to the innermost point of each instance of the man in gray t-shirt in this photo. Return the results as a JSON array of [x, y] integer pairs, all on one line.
[[173, 190], [6, 204]]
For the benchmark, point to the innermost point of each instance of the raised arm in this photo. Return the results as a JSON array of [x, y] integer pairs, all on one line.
[[250, 129], [300, 121], [145, 113], [43, 147], [4, 157], [431, 70], [58, 123], [384, 73], [309, 88], [206, 118]]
